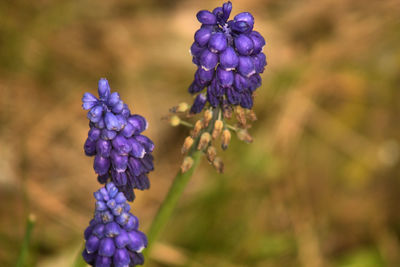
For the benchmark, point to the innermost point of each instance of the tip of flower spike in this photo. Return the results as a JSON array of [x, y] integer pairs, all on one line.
[[103, 88]]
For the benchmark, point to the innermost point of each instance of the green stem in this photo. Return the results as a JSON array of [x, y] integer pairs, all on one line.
[[30, 223], [168, 205], [79, 261]]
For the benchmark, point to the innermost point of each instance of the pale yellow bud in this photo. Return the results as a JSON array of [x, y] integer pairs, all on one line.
[[186, 164], [207, 117], [240, 116], [204, 140], [174, 120], [197, 128], [217, 128], [225, 139], [187, 144], [182, 107], [218, 164], [211, 153]]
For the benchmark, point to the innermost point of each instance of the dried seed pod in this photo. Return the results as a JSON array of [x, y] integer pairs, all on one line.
[[211, 153], [207, 117], [218, 125], [244, 136], [204, 140], [197, 128], [251, 115], [227, 112], [187, 144], [218, 164], [225, 139], [186, 164], [174, 121], [240, 116]]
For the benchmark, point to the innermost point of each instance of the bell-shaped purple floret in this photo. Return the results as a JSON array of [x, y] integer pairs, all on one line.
[[121, 258], [254, 81], [195, 88], [118, 108], [212, 98], [107, 247], [138, 122], [243, 22], [89, 101], [196, 49], [246, 66], [258, 41], [204, 76], [246, 101], [89, 258], [232, 96], [119, 178], [217, 42], [99, 230], [112, 229], [198, 103], [108, 134], [241, 83], [146, 142], [128, 130], [112, 122], [104, 89], [228, 59], [90, 147], [260, 61], [206, 17], [92, 244], [101, 165], [225, 77], [121, 145], [135, 166], [138, 151], [137, 243], [119, 162], [95, 114], [202, 36], [103, 261], [94, 133], [113, 99], [103, 148], [147, 162], [208, 59], [100, 124], [244, 45]]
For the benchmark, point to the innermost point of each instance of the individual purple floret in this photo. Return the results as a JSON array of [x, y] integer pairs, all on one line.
[[121, 152], [112, 237], [229, 57]]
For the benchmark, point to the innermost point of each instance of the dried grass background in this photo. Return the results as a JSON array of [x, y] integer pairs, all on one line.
[[318, 187]]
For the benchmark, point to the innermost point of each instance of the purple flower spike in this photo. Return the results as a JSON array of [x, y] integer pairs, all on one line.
[[115, 137], [206, 17], [113, 240], [228, 54], [217, 42]]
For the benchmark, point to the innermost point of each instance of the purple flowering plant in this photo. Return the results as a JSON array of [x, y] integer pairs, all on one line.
[[229, 59]]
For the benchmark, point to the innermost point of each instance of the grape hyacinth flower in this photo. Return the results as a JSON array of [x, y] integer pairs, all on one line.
[[121, 152], [112, 237], [229, 59]]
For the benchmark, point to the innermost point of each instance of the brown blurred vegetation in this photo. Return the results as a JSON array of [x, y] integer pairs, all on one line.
[[318, 187]]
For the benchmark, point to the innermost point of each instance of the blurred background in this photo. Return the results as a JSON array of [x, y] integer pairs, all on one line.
[[319, 186]]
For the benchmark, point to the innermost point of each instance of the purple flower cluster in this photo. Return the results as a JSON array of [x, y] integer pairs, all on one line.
[[113, 238], [121, 151], [229, 57]]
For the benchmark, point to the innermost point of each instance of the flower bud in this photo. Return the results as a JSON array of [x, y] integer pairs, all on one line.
[[174, 121], [202, 36], [244, 45], [225, 139], [243, 135], [217, 129], [186, 164], [217, 42], [228, 59], [206, 17], [187, 144], [197, 128], [218, 164], [211, 153], [207, 117], [208, 59], [204, 140], [240, 116]]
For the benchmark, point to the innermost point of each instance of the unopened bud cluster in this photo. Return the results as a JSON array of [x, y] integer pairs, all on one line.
[[112, 237]]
